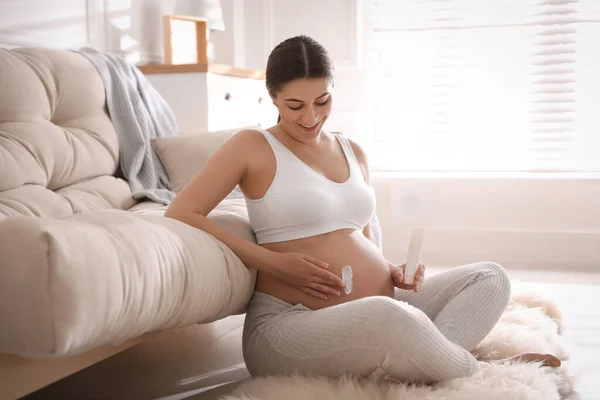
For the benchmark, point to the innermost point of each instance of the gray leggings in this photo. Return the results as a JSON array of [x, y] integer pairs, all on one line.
[[425, 336]]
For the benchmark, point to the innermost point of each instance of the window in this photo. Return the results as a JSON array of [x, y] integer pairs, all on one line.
[[495, 85]]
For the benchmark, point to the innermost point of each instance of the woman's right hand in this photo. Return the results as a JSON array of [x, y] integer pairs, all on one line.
[[307, 274]]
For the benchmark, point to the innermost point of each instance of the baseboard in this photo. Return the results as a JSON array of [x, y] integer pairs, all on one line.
[[551, 251]]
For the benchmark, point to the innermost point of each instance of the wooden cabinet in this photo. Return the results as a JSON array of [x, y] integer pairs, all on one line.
[[213, 97]]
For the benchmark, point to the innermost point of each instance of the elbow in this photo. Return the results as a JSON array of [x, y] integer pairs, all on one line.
[[170, 212], [175, 212], [184, 215]]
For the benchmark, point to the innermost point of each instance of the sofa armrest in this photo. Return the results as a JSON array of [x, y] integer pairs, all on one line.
[[99, 278]]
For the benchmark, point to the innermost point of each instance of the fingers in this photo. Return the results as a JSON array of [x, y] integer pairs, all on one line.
[[316, 262], [398, 276], [324, 289], [420, 271], [329, 277], [314, 293], [419, 277], [322, 281], [321, 272]]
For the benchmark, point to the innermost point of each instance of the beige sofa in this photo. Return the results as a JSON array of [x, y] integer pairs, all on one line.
[[86, 270]]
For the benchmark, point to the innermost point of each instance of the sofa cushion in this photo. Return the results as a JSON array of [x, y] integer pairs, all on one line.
[[55, 133], [104, 277], [185, 155]]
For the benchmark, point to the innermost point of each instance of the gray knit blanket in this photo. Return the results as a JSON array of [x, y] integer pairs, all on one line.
[[139, 114]]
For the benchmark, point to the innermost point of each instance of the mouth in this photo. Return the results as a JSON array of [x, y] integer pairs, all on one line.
[[310, 128]]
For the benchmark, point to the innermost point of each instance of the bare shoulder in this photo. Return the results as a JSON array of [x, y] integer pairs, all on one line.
[[251, 146], [247, 137], [243, 146]]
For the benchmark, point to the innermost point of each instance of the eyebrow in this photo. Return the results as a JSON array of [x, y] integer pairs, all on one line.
[[300, 101]]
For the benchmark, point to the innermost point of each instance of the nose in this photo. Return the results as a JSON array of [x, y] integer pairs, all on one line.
[[310, 116]]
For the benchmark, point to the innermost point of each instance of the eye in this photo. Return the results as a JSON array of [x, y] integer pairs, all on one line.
[[323, 103], [295, 108]]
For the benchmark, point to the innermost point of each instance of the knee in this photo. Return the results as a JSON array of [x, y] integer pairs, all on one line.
[[381, 311], [499, 279], [499, 274]]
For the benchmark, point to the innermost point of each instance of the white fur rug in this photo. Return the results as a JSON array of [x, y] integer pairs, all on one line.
[[529, 324]]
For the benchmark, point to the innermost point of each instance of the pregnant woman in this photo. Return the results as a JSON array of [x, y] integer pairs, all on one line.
[[310, 203]]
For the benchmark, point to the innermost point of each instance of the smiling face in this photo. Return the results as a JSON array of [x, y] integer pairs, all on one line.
[[304, 105]]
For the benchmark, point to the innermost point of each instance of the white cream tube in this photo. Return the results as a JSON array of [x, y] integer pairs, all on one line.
[[414, 255]]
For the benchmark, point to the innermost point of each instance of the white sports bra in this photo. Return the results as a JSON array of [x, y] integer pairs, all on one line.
[[302, 203]]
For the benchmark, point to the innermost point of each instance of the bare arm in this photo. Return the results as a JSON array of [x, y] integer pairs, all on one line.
[[223, 171]]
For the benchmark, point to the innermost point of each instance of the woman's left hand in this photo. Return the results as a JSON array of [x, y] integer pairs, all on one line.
[[397, 272]]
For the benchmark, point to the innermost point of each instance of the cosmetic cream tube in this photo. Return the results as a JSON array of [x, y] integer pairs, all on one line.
[[414, 255]]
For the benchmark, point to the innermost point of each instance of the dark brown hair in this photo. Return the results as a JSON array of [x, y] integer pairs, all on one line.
[[294, 58]]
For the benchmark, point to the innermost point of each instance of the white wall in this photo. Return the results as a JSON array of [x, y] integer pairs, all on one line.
[[45, 23], [523, 222], [131, 28], [519, 221]]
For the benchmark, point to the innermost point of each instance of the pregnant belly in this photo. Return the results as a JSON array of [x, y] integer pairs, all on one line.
[[371, 274]]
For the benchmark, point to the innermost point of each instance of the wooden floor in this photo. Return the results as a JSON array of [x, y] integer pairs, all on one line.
[[172, 367]]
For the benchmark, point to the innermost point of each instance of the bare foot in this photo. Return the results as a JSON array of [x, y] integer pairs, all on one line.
[[548, 360]]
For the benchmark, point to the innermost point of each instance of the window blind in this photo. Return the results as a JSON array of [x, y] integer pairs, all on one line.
[[495, 85]]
